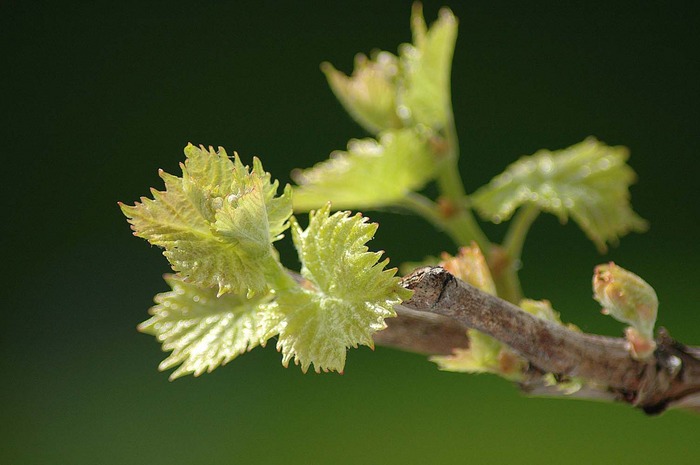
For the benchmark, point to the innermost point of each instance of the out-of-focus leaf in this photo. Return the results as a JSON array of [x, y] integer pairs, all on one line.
[[424, 81], [370, 174], [484, 355], [588, 182], [369, 94]]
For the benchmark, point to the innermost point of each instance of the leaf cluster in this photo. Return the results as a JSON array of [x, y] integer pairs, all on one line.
[[218, 223]]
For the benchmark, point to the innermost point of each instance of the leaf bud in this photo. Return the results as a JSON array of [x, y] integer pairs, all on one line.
[[627, 298]]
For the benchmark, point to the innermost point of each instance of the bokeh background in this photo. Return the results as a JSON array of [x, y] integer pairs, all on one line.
[[96, 96]]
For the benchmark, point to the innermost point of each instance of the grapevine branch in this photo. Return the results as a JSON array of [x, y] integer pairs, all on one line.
[[442, 307]]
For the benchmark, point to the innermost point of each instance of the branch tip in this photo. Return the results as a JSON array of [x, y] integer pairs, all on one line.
[[669, 377]]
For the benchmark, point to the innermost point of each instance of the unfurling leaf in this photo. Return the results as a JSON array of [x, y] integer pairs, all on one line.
[[348, 293], [369, 95], [387, 92], [470, 266], [406, 102], [627, 298], [204, 331], [424, 81], [370, 174], [484, 355], [216, 222], [588, 181]]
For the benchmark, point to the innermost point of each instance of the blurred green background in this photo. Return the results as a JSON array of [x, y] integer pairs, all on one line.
[[98, 95]]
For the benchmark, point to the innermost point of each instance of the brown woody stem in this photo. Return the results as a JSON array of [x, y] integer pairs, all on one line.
[[435, 320]]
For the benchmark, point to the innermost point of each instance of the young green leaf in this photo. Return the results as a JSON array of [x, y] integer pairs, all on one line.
[[204, 331], [588, 181], [369, 95], [424, 81], [216, 222], [348, 293], [370, 174]]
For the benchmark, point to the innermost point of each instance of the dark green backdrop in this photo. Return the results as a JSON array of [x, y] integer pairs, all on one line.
[[97, 96]]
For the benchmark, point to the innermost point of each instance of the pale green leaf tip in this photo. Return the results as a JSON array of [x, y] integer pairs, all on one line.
[[127, 210], [330, 71], [418, 26]]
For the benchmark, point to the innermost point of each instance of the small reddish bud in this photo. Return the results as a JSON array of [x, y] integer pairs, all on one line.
[[446, 207]]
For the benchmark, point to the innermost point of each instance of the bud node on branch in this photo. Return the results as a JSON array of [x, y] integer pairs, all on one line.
[[443, 305]]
